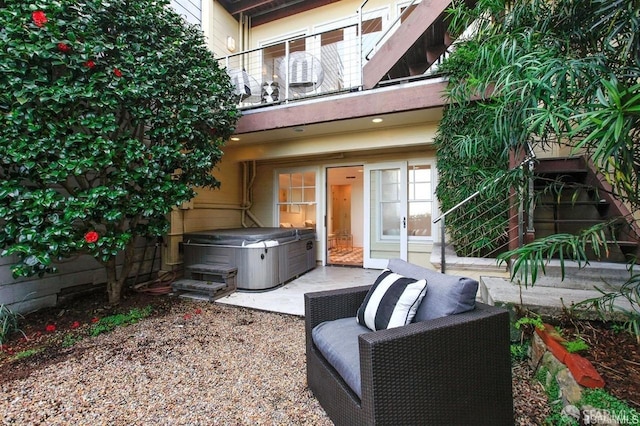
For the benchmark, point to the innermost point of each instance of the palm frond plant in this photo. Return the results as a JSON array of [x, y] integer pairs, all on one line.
[[561, 74]]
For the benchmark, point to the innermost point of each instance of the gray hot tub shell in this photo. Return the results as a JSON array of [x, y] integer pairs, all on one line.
[[265, 257]]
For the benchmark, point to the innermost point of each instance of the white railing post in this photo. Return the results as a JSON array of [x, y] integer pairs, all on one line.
[[443, 233], [287, 71], [360, 47]]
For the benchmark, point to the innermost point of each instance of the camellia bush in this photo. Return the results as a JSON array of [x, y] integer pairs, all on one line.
[[111, 112]]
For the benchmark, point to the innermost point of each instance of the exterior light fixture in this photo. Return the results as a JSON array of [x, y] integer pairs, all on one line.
[[231, 44], [235, 138], [377, 120]]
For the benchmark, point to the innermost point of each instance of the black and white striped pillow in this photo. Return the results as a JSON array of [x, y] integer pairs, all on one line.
[[391, 302]]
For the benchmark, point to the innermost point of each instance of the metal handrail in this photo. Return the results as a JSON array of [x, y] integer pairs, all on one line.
[[528, 160]]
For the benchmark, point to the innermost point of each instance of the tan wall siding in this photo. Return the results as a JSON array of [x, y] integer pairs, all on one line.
[[217, 25], [407, 136], [263, 207]]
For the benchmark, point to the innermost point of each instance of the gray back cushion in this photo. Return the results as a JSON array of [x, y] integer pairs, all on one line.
[[446, 294]]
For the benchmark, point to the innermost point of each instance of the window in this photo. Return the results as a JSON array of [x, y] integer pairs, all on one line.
[[297, 199], [420, 201], [390, 202]]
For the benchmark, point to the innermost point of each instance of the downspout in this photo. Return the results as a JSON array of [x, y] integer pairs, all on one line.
[[245, 202], [247, 194]]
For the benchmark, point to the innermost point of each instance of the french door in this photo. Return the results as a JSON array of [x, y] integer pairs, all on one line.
[[385, 213]]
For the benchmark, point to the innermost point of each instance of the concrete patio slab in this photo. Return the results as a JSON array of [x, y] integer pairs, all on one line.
[[289, 298]]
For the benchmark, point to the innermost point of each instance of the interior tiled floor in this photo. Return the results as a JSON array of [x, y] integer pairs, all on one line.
[[289, 298], [345, 256]]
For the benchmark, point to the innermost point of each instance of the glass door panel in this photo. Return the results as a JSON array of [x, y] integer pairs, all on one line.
[[385, 214]]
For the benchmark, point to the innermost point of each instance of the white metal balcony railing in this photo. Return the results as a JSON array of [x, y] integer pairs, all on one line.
[[322, 63]]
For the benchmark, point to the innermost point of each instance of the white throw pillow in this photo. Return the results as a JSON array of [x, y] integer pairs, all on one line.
[[391, 302]]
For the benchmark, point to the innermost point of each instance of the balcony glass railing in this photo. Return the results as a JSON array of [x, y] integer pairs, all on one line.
[[319, 64]]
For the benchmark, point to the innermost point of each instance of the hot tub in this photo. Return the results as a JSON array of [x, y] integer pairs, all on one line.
[[265, 257]]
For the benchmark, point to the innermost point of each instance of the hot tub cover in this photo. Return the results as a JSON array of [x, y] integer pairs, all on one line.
[[247, 236]]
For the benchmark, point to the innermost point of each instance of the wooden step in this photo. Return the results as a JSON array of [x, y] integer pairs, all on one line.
[[570, 221], [212, 268], [210, 289]]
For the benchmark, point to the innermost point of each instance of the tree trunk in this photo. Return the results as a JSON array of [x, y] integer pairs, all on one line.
[[114, 289], [115, 283]]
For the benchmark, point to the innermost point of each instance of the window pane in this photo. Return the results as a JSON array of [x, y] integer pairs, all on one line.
[[309, 179], [296, 179], [390, 219], [422, 191], [419, 219], [296, 195], [371, 25], [284, 180], [390, 190], [421, 174], [309, 195], [390, 176]]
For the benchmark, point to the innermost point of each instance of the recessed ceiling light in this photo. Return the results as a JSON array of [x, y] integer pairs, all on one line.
[[377, 120], [235, 138]]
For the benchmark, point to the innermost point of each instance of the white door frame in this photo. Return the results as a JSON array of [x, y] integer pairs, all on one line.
[[372, 206]]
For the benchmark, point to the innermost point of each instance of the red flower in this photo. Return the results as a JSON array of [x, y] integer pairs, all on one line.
[[39, 18], [117, 72], [50, 328], [90, 64], [64, 48], [75, 324], [198, 311], [187, 316], [91, 237], [95, 320]]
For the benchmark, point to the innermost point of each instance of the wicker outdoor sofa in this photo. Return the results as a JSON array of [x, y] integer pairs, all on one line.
[[452, 370]]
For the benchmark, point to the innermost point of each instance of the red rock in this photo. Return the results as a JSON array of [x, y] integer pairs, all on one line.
[[554, 346], [583, 371]]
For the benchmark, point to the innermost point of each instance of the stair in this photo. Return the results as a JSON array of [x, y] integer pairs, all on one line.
[[207, 281], [570, 198], [419, 41]]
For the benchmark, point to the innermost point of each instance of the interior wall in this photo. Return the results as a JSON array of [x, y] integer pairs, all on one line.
[[353, 176]]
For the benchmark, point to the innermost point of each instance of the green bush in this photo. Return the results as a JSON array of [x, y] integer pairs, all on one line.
[[519, 351], [110, 114], [8, 323]]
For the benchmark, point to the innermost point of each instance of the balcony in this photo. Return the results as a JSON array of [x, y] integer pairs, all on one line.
[[317, 65], [334, 77]]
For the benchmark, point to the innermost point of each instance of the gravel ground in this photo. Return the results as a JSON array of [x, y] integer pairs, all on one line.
[[202, 364], [199, 364]]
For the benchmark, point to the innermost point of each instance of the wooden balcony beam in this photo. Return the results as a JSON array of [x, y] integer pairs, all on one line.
[[353, 105]]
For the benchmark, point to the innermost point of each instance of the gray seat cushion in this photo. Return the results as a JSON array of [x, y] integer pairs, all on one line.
[[337, 341], [446, 294]]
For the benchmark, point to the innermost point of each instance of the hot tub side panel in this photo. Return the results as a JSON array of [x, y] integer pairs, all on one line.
[[258, 267], [297, 258]]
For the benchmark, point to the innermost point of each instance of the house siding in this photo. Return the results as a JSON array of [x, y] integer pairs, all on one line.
[[219, 25], [191, 10], [29, 294]]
